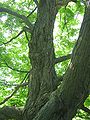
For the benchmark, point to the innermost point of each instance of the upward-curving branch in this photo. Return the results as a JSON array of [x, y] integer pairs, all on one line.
[[22, 17], [63, 58]]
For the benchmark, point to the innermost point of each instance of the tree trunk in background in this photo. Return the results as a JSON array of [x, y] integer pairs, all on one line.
[[45, 102]]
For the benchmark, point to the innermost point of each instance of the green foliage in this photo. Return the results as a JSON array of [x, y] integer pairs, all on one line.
[[81, 115], [87, 102], [14, 55], [67, 24]]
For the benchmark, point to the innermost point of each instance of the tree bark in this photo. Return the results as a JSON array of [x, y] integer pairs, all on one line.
[[65, 100], [43, 78]]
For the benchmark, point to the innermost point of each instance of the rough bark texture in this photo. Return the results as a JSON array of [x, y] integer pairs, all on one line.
[[64, 101], [43, 78], [7, 113]]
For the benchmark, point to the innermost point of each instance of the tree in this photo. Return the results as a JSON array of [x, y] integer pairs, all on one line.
[[51, 97]]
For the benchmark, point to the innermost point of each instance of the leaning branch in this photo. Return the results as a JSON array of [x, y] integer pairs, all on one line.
[[10, 85], [7, 113], [4, 43], [32, 11], [24, 18], [63, 58], [25, 29], [23, 71], [17, 88], [85, 109]]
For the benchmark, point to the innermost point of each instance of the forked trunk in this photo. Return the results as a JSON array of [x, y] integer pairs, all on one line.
[[64, 101]]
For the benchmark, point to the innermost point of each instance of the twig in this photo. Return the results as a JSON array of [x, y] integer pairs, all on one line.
[[85, 109], [13, 38], [24, 30], [32, 11], [6, 99], [63, 58], [26, 36], [23, 71], [24, 18], [16, 88], [8, 84]]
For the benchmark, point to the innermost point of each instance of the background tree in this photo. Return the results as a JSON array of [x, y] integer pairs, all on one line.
[[55, 91]]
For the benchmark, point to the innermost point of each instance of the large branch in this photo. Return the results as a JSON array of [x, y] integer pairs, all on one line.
[[85, 109], [7, 113], [60, 3], [24, 18], [63, 58]]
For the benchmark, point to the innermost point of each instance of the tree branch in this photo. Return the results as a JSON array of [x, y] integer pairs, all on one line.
[[85, 109], [60, 3], [23, 71], [24, 18], [16, 88], [13, 38], [25, 29], [32, 11], [8, 84], [26, 36], [7, 113], [63, 58]]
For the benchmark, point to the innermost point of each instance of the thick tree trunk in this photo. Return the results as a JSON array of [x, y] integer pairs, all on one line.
[[43, 78], [64, 101]]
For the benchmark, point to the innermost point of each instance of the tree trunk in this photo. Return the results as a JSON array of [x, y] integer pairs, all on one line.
[[43, 78], [45, 102]]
